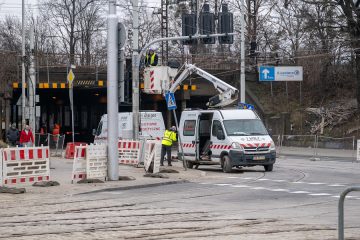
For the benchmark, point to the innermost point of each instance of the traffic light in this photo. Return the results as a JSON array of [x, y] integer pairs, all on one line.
[[207, 24], [189, 27], [226, 25]]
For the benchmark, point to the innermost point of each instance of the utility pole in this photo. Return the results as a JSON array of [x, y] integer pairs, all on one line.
[[32, 82], [23, 95], [135, 70], [242, 53], [112, 93]]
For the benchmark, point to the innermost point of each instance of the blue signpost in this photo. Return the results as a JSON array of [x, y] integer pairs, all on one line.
[[266, 73], [170, 101]]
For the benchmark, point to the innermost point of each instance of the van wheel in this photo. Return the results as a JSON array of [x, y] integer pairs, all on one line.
[[268, 168], [226, 164], [189, 164]]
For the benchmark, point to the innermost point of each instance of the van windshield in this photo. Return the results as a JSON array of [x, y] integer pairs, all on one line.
[[245, 127]]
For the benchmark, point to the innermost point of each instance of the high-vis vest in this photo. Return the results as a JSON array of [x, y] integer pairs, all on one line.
[[152, 58], [169, 138]]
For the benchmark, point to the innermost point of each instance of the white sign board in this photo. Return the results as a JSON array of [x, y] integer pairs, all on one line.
[[358, 150], [271, 73], [288, 73]]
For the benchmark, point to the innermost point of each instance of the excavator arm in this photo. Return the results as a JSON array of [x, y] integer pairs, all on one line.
[[227, 93]]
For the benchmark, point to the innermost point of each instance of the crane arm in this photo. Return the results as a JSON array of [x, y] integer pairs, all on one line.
[[228, 94]]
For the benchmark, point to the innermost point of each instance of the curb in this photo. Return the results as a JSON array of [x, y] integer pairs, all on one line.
[[135, 187], [312, 156]]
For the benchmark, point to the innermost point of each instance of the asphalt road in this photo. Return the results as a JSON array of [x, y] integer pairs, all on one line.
[[298, 200]]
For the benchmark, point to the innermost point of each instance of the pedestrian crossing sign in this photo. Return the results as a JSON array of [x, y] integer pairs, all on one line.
[[170, 101]]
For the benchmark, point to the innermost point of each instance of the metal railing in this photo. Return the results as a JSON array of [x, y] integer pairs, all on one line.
[[341, 210], [320, 146], [55, 142]]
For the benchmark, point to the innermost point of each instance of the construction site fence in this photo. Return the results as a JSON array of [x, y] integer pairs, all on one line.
[[55, 142], [317, 146]]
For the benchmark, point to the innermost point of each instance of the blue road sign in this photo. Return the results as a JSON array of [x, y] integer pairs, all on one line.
[[266, 73], [170, 101]]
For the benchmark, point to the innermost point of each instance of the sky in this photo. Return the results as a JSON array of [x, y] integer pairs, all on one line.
[[13, 7]]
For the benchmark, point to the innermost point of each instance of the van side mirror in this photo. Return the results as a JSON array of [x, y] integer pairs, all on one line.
[[270, 131], [94, 132], [220, 134]]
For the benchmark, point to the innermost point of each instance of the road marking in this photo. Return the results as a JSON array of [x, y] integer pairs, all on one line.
[[259, 188], [247, 178], [232, 177], [279, 190], [336, 185], [319, 194], [297, 182], [263, 179], [222, 184], [240, 186], [316, 183], [300, 192], [278, 180]]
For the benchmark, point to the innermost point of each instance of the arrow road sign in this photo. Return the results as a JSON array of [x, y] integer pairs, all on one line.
[[266, 73], [170, 101]]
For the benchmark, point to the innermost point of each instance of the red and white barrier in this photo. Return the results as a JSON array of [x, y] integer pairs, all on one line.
[[129, 152], [79, 164], [25, 165]]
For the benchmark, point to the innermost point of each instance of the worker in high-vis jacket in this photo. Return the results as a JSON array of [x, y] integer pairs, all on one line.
[[151, 58], [167, 142]]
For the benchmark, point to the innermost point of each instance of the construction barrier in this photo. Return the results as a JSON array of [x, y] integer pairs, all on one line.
[[152, 154], [70, 149], [79, 164], [129, 152], [96, 161], [25, 165]]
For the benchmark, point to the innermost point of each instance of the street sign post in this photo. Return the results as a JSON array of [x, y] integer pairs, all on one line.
[[70, 79], [170, 101], [171, 105], [288, 73]]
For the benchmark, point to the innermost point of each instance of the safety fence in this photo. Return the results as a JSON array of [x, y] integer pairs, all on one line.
[[129, 152], [55, 142], [316, 146], [90, 161], [24, 165]]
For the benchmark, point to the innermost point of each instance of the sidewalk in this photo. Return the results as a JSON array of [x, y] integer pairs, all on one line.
[[61, 170]]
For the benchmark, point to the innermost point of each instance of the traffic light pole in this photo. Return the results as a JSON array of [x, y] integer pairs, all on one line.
[[136, 69], [242, 53]]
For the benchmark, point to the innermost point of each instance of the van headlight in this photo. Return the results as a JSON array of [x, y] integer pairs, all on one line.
[[272, 145], [237, 146]]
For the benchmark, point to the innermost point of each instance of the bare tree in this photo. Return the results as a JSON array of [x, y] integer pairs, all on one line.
[[64, 16]]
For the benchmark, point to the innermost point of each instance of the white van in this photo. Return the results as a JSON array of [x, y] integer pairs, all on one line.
[[151, 126], [231, 138]]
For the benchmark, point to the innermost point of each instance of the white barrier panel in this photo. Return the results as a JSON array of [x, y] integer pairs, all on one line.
[[96, 161], [25, 165], [79, 164], [129, 152], [152, 154]]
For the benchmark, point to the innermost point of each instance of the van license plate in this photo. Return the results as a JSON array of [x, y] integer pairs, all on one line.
[[259, 158]]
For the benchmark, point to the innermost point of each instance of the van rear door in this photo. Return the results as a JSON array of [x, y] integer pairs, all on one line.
[[187, 131]]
